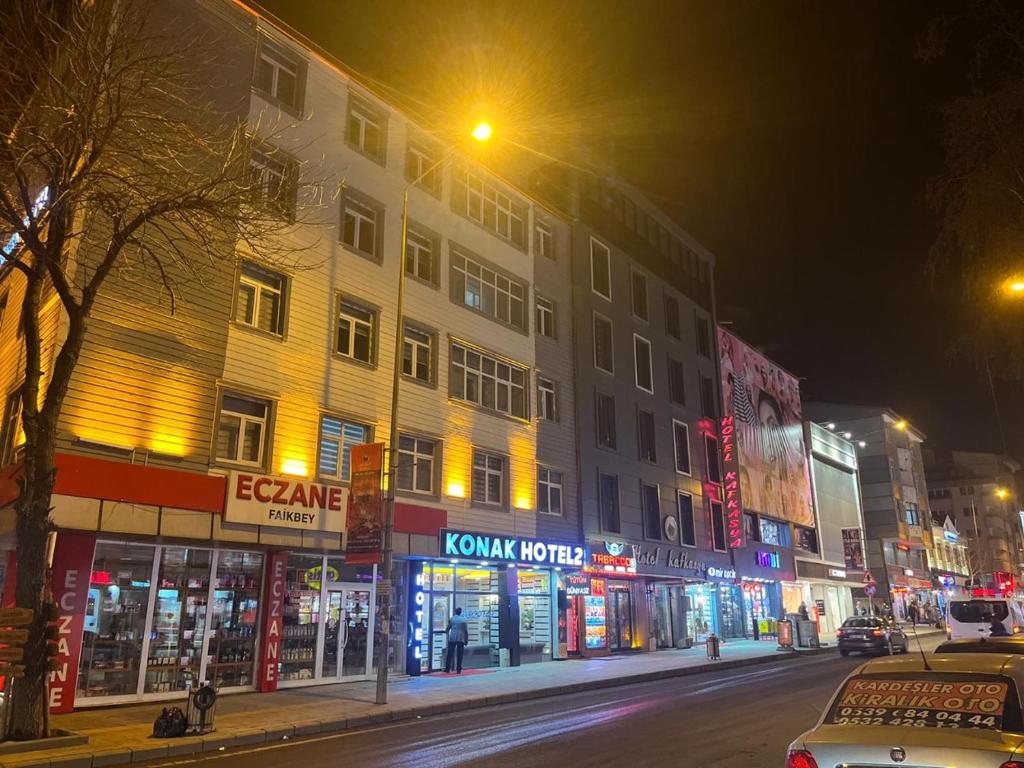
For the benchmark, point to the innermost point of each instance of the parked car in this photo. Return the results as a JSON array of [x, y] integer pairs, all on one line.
[[1012, 644], [958, 709], [972, 617], [870, 635]]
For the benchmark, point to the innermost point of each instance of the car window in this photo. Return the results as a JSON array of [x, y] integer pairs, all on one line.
[[928, 699], [978, 611], [861, 622]]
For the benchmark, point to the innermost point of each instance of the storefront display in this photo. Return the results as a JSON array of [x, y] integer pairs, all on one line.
[[596, 616], [179, 620], [620, 616], [702, 616], [233, 621], [535, 619], [760, 608]]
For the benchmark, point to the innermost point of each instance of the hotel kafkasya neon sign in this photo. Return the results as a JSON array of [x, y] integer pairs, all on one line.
[[731, 464]]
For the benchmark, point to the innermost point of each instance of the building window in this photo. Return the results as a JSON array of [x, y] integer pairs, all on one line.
[[676, 382], [336, 440], [488, 478], [639, 294], [549, 491], [260, 300], [478, 199], [703, 330], [487, 291], [416, 464], [911, 514], [545, 316], [711, 454], [488, 382], [672, 324], [421, 162], [707, 398], [717, 527], [604, 354], [687, 526], [651, 504], [418, 354], [645, 436], [642, 363], [681, 435], [356, 331], [362, 224], [547, 402], [605, 420], [600, 269], [367, 129], [10, 430], [608, 494], [242, 429], [544, 240], [273, 180], [806, 538], [774, 532], [280, 75], [422, 252]]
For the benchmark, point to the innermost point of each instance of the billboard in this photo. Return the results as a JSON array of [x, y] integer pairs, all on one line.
[[764, 401]]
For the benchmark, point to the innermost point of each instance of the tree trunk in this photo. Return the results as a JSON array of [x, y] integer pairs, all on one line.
[[29, 717]]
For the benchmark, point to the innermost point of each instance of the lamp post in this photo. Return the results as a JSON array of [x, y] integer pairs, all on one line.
[[482, 132]]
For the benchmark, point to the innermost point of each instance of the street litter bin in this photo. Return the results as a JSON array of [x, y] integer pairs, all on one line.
[[201, 707], [807, 634], [714, 647]]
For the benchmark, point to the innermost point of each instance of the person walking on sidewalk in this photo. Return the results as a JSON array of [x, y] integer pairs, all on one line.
[[458, 636]]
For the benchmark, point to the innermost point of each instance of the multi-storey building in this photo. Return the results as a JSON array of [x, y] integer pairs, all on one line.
[[204, 458], [647, 413], [977, 491], [948, 558], [897, 520]]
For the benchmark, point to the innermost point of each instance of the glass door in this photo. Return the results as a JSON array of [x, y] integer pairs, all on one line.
[[345, 633]]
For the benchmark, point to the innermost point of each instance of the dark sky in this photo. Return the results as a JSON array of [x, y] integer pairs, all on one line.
[[793, 139]]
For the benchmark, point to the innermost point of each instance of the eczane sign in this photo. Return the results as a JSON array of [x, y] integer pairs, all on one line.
[[285, 502]]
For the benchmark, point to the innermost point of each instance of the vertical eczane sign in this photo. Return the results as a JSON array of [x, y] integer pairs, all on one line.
[[273, 621], [72, 565]]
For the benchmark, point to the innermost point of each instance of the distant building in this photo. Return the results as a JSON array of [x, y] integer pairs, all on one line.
[[897, 520], [978, 492], [948, 558]]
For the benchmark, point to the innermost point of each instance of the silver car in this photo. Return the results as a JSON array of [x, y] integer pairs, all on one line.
[[960, 710]]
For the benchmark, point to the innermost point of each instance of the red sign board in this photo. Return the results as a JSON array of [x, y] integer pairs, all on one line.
[[273, 598], [731, 484], [72, 566], [365, 537]]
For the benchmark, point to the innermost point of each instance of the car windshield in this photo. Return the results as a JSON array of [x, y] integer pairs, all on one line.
[[978, 611], [928, 700], [862, 623]]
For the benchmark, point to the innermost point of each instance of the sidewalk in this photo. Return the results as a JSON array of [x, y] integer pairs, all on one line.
[[121, 735]]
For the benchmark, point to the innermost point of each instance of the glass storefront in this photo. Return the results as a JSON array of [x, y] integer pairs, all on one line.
[[666, 611], [702, 616], [535, 617], [595, 616], [761, 609], [730, 609], [301, 618], [620, 616], [161, 618]]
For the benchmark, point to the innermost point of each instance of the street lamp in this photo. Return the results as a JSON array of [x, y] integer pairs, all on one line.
[[1002, 493], [482, 132]]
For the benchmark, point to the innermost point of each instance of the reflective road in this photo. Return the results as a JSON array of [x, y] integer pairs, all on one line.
[[741, 718]]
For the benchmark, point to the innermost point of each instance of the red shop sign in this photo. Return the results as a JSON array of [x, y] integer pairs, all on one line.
[[72, 565], [273, 598], [731, 465]]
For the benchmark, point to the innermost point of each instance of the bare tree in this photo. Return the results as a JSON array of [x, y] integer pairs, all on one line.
[[112, 158]]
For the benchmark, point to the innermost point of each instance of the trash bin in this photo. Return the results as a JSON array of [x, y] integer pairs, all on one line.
[[714, 647]]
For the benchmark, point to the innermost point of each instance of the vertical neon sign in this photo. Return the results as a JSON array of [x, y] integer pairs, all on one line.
[[731, 478], [417, 603]]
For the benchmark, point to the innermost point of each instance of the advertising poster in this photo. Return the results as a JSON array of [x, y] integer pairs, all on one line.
[[764, 400], [365, 539], [853, 549]]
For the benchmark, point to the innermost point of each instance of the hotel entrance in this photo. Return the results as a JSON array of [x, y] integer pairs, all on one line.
[[620, 616]]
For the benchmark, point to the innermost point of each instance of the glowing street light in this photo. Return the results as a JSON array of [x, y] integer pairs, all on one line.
[[482, 132], [1014, 286], [1002, 493], [901, 425]]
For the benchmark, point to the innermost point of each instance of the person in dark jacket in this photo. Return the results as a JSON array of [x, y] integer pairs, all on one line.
[[997, 629], [458, 636]]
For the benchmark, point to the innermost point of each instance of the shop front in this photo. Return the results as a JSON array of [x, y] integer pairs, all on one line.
[[909, 586], [828, 592], [508, 588], [762, 571], [715, 606]]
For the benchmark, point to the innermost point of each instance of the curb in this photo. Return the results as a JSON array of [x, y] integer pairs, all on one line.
[[215, 742]]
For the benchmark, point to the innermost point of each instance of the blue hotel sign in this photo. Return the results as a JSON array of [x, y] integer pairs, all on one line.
[[510, 549]]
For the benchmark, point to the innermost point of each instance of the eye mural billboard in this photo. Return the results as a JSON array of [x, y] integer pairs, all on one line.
[[762, 407]]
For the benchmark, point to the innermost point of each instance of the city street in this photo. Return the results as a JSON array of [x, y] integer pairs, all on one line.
[[743, 717]]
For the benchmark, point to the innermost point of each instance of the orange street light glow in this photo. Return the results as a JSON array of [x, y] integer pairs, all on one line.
[[482, 132], [1002, 493]]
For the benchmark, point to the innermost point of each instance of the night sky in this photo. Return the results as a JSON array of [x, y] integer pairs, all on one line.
[[795, 140]]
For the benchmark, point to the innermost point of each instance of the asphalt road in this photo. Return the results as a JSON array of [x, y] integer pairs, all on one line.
[[743, 718]]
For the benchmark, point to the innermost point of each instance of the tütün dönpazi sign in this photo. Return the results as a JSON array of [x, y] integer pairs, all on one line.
[[515, 549], [285, 502]]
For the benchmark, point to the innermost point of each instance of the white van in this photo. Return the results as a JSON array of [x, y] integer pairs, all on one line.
[[971, 617]]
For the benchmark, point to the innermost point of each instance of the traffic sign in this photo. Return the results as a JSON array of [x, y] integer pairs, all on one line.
[[870, 589], [12, 654], [15, 617], [13, 636], [869, 577]]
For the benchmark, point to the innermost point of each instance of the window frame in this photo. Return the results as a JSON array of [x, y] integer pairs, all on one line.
[[285, 56], [341, 299], [616, 502], [367, 112], [267, 159], [711, 452], [475, 191], [11, 427], [704, 344], [650, 364], [422, 234], [481, 374], [432, 340], [634, 275], [598, 317], [646, 417], [707, 389], [608, 253], [645, 511], [543, 231], [253, 281], [675, 381], [344, 421], [549, 485], [688, 472], [502, 504], [543, 395], [422, 156], [544, 317], [435, 468], [265, 449], [457, 252], [357, 198], [669, 302], [718, 515], [600, 397], [693, 519]]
